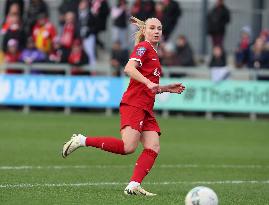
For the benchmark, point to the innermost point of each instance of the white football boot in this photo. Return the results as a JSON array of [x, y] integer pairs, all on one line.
[[74, 143], [137, 190]]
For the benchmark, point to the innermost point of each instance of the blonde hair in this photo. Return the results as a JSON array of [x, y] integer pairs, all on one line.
[[139, 35]]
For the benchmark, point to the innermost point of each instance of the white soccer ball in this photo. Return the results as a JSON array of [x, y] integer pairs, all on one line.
[[201, 196]]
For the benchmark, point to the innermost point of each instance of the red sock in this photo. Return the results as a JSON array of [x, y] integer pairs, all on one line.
[[143, 165], [109, 144]]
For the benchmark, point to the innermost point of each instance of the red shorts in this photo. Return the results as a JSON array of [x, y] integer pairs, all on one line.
[[139, 119]]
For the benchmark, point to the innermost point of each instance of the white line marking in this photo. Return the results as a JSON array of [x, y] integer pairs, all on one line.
[[26, 185], [63, 167], [166, 166], [215, 166]]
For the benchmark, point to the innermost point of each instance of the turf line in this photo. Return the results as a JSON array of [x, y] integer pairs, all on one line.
[[25, 185], [172, 166]]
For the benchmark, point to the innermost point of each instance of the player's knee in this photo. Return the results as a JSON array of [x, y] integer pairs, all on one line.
[[129, 148], [155, 147]]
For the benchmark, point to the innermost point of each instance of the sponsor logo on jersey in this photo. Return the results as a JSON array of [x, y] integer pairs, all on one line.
[[140, 51]]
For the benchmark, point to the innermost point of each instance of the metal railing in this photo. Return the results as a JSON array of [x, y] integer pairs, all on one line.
[[102, 69], [205, 73], [105, 69]]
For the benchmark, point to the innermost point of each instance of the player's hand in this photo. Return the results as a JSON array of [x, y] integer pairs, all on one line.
[[153, 87], [175, 88]]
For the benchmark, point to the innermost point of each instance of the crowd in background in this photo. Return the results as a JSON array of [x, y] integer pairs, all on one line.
[[29, 36]]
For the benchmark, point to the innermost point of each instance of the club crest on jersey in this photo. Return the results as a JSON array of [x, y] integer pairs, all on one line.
[[140, 51]]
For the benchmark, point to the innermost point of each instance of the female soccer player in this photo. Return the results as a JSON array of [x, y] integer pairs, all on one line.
[[138, 123]]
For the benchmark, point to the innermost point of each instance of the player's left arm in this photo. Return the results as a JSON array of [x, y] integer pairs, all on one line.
[[172, 88]]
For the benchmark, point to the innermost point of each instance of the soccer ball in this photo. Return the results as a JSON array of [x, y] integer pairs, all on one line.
[[201, 196]]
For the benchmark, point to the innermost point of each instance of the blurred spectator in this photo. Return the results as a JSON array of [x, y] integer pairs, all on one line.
[[87, 29], [12, 55], [218, 18], [31, 54], [259, 56], [168, 54], [218, 58], [1, 58], [78, 58], [35, 8], [242, 50], [264, 35], [183, 52], [14, 7], [67, 6], [148, 8], [119, 15], [100, 9], [57, 54], [171, 13], [9, 20], [218, 68], [179, 55], [15, 31], [159, 7], [43, 33], [119, 57], [170, 58], [136, 9], [143, 9], [70, 31], [12, 16]]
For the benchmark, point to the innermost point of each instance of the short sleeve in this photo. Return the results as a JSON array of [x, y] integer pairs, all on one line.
[[139, 54]]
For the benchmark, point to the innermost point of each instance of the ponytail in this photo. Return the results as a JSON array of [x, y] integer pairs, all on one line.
[[139, 35]]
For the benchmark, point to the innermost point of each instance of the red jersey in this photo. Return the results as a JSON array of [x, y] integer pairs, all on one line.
[[138, 94]]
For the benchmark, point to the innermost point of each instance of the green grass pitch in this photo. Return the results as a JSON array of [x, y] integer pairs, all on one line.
[[230, 156]]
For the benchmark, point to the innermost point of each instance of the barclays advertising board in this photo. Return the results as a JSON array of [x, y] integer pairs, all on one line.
[[106, 92], [44, 90]]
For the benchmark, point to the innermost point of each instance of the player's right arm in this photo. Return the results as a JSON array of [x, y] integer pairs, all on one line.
[[131, 70]]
